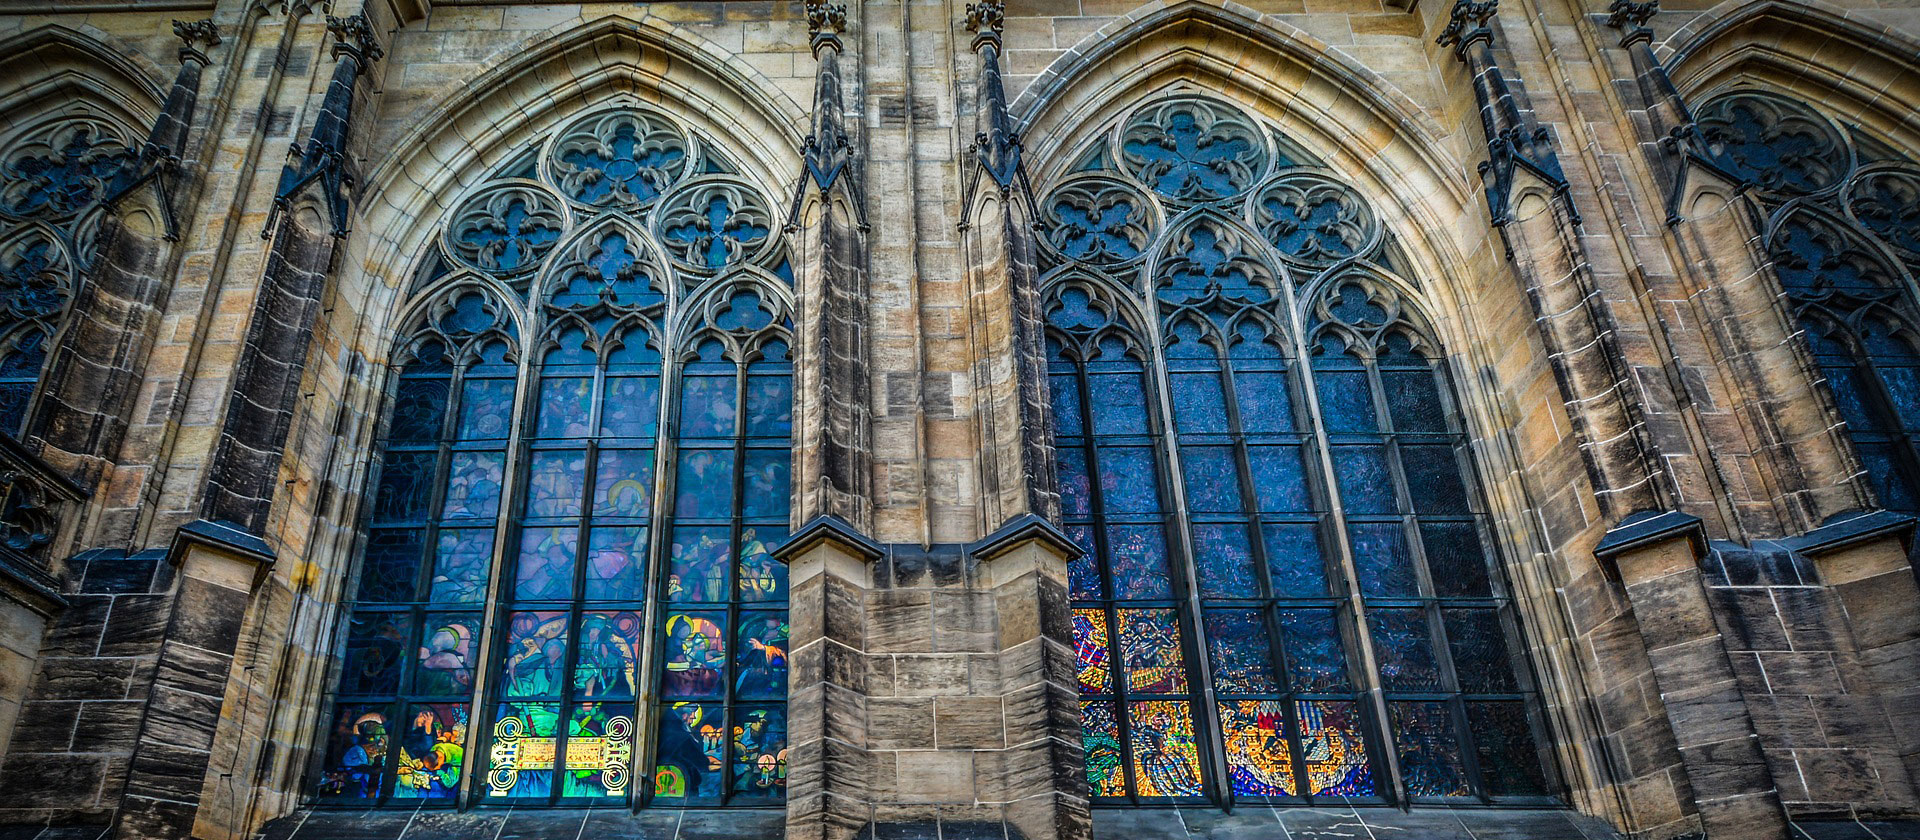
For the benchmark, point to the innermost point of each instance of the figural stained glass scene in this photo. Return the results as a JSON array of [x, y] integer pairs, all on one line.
[[959, 419]]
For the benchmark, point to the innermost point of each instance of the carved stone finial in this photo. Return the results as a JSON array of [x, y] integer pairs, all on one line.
[[1466, 24], [986, 19], [825, 22], [1631, 18], [354, 36], [196, 34]]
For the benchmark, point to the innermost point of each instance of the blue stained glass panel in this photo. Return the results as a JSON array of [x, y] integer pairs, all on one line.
[[769, 406], [1346, 404], [544, 571], [1065, 393], [1294, 562], [1278, 481], [632, 408], [1083, 572], [1119, 404], [566, 406], [473, 485], [697, 566], [760, 655], [447, 654], [623, 483], [1479, 651], [1903, 390], [703, 489], [1199, 406], [419, 410], [1241, 655], [766, 493], [1076, 493], [692, 739], [1455, 559], [762, 578], [556, 481], [1225, 561], [1264, 405], [1404, 649], [1381, 558], [1366, 486], [1885, 471], [706, 407], [1137, 559], [1436, 471], [460, 564], [1509, 762], [759, 751], [616, 563], [391, 566], [376, 645], [696, 656], [1430, 762], [1413, 400], [1213, 481], [609, 656], [486, 409], [1316, 663], [536, 651], [1127, 482], [406, 487]]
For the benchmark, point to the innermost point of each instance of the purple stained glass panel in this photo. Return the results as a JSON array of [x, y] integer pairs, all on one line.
[[616, 563], [1076, 493], [1083, 572], [1264, 405], [473, 485], [1127, 482], [536, 651], [1380, 556], [1213, 482], [1278, 482], [566, 408], [623, 483], [544, 570], [446, 659], [1366, 486], [1241, 655], [1294, 562], [1119, 404]]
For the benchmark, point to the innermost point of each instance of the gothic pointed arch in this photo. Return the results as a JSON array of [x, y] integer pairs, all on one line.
[[1291, 591], [567, 585]]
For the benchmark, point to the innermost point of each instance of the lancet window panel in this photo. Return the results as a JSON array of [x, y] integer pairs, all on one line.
[[1843, 211], [1289, 593], [566, 594], [53, 177]]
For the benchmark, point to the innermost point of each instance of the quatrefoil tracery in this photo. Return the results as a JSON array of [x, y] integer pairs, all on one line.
[[620, 159]]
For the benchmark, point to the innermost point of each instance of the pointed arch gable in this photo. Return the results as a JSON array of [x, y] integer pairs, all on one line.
[[1812, 50], [43, 67]]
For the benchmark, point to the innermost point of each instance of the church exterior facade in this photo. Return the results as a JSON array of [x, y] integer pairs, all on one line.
[[1029, 419]]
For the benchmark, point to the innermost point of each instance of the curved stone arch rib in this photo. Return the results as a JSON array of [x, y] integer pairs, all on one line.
[[424, 308], [43, 61], [578, 247], [704, 307]]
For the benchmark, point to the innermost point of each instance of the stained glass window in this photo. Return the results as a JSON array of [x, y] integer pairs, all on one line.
[[597, 503], [1265, 476], [1839, 215]]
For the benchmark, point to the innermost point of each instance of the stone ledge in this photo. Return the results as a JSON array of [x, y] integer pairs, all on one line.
[[1838, 534], [829, 528], [1021, 529]]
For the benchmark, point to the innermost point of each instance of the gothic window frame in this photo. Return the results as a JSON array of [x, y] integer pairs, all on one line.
[[55, 172], [536, 246], [1108, 229], [1844, 255]]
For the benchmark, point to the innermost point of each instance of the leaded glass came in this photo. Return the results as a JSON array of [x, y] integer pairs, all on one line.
[[566, 594], [1288, 592]]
